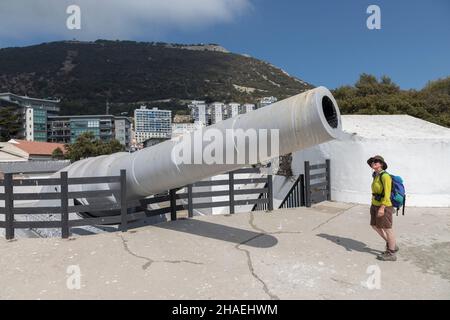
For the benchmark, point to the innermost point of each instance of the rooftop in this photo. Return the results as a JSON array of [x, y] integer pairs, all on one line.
[[3, 94], [393, 126], [37, 148], [86, 116], [35, 166]]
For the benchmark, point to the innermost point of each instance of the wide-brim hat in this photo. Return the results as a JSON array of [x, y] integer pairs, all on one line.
[[379, 158]]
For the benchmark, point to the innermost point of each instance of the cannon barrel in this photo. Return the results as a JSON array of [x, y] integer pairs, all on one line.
[[300, 122]]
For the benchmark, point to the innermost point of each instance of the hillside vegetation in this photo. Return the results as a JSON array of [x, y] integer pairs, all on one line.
[[87, 74], [372, 96]]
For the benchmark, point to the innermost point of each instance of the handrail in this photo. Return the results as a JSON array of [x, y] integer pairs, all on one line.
[[298, 181]]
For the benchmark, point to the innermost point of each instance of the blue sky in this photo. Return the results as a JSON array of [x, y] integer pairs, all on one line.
[[323, 42]]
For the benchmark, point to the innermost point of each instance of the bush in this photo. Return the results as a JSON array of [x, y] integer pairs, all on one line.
[[87, 146], [372, 96]]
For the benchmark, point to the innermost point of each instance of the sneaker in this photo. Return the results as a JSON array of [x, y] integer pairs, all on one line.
[[396, 248], [387, 256]]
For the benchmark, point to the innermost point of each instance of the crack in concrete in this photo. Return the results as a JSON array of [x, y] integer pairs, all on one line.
[[256, 228], [253, 225], [150, 261], [247, 253], [128, 250], [249, 258], [252, 269], [342, 282], [263, 232], [332, 218]]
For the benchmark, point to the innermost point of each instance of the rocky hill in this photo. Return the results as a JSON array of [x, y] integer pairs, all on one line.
[[84, 75]]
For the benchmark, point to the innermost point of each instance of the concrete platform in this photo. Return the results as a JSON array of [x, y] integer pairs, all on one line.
[[326, 252]]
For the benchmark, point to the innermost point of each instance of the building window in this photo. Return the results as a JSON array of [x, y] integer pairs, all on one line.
[[93, 124]]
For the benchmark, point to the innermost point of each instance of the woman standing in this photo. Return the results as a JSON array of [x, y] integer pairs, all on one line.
[[381, 210]]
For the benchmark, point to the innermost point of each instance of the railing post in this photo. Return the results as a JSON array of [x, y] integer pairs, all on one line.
[[65, 233], [190, 202], [173, 205], [123, 201], [302, 190], [270, 192], [296, 196], [9, 206], [328, 180], [307, 185], [231, 191]]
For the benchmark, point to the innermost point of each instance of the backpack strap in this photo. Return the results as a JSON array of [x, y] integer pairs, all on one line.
[[381, 181], [404, 204]]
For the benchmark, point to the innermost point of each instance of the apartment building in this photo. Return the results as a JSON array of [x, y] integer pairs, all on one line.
[[152, 123]]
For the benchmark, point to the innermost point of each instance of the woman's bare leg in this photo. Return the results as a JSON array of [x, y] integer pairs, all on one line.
[[381, 233], [390, 238]]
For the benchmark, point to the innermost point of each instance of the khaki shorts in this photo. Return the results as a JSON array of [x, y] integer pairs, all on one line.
[[384, 222]]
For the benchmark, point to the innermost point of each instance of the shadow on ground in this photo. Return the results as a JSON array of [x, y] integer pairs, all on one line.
[[349, 244], [221, 232]]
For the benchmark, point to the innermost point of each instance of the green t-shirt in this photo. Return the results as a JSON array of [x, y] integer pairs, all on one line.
[[377, 188]]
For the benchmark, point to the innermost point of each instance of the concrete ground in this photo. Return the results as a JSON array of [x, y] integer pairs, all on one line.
[[326, 252]]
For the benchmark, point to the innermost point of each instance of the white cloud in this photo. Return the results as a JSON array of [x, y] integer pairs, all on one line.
[[24, 19]]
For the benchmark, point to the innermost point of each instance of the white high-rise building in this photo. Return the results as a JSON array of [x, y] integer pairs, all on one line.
[[199, 112], [217, 112], [248, 107], [233, 110], [152, 123]]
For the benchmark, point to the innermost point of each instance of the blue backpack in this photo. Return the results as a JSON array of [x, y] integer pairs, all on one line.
[[398, 195]]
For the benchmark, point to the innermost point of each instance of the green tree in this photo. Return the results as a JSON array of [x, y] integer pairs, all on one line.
[[58, 154], [10, 123], [109, 147], [441, 86], [369, 85], [82, 148], [87, 146], [115, 146], [372, 96]]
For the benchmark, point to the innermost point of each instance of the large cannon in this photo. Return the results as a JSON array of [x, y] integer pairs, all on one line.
[[299, 122]]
